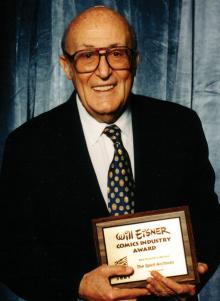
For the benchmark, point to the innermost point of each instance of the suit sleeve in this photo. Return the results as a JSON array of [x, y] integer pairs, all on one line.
[[16, 225], [205, 211], [24, 260]]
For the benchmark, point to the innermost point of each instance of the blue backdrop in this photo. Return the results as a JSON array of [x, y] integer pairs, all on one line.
[[180, 61]]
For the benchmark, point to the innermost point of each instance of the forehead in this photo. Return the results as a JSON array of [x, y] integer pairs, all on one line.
[[98, 29]]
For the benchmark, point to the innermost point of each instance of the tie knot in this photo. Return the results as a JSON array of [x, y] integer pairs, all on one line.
[[114, 133]]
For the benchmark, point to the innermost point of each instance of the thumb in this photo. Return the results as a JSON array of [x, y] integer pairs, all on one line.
[[118, 270]]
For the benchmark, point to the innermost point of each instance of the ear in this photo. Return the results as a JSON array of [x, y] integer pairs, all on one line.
[[65, 65], [135, 63], [137, 59]]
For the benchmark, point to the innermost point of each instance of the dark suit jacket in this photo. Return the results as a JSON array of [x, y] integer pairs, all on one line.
[[50, 193]]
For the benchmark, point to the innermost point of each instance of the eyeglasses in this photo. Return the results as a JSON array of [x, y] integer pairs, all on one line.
[[118, 58]]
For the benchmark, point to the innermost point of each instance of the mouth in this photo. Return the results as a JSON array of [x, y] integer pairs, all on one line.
[[103, 88]]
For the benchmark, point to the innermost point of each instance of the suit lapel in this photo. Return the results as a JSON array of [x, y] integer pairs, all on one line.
[[79, 160]]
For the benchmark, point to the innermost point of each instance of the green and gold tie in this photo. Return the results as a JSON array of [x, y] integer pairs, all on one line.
[[121, 184]]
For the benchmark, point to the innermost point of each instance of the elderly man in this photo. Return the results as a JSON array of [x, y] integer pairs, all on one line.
[[58, 174]]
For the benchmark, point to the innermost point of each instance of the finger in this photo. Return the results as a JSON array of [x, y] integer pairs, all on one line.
[[179, 289], [158, 288], [202, 268]]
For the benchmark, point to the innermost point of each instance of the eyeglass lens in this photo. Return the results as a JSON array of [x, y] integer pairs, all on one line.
[[88, 60]]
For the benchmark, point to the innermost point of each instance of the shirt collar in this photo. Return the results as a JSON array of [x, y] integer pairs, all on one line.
[[94, 129]]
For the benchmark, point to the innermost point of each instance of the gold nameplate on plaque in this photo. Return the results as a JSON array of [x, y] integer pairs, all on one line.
[[160, 240]]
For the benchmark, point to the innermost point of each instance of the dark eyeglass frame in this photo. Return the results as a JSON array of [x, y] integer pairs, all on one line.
[[131, 54]]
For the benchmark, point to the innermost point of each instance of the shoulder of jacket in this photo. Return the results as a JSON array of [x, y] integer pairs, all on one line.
[[159, 106]]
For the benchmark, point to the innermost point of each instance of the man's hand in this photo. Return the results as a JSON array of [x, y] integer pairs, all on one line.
[[166, 287], [95, 285]]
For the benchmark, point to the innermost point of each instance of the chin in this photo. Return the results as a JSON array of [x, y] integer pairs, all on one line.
[[105, 107]]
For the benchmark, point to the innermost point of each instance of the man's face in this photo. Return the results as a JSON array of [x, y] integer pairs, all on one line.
[[103, 92]]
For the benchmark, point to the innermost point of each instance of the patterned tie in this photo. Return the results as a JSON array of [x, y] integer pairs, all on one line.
[[120, 179]]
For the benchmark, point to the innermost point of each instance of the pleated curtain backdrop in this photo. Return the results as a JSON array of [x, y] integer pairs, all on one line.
[[180, 61]]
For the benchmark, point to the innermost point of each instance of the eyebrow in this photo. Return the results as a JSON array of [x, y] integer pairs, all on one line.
[[92, 46]]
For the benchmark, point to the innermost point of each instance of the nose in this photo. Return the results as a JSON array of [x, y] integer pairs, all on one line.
[[103, 70]]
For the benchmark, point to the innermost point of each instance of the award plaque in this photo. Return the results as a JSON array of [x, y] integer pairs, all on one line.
[[160, 240]]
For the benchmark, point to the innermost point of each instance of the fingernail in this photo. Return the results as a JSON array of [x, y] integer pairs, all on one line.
[[129, 269], [154, 273]]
